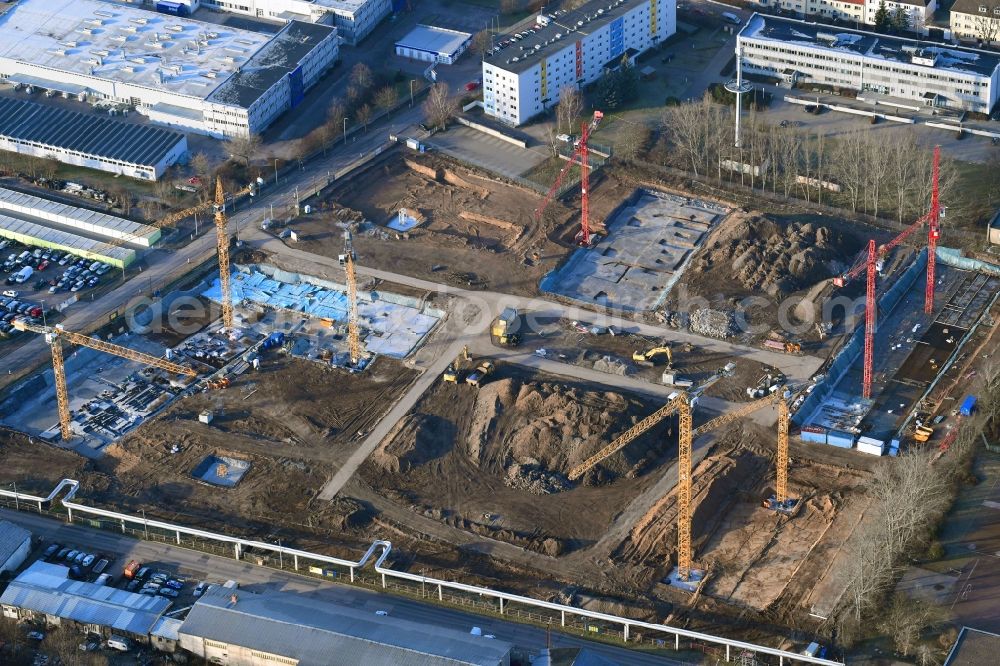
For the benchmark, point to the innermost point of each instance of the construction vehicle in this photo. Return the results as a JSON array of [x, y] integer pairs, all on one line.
[[649, 357], [453, 373], [478, 376], [55, 336], [503, 330], [922, 433], [784, 346], [132, 568]]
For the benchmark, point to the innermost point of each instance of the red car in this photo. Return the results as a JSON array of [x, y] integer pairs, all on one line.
[[471, 85], [42, 266]]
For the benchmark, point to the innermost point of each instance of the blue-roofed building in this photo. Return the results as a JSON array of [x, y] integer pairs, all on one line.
[[45, 591], [240, 628]]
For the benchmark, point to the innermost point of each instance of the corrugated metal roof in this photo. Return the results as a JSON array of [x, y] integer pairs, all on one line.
[[167, 627], [133, 143], [45, 588], [12, 537], [310, 630]]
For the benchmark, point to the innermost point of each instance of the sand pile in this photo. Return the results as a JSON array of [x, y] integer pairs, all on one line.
[[532, 434], [763, 255]]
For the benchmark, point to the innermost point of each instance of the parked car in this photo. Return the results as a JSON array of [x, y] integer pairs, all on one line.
[[168, 592], [62, 554], [88, 560], [200, 588], [76, 572], [51, 550], [10, 293], [36, 635], [71, 555], [101, 565], [81, 556], [175, 584]]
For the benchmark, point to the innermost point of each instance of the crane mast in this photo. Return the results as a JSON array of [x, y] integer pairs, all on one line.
[[933, 233], [353, 334], [54, 337], [684, 440], [222, 244]]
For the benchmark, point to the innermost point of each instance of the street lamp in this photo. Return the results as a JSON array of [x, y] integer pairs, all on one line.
[[345, 130]]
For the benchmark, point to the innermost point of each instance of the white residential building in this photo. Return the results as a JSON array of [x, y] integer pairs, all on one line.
[[195, 76], [523, 78], [354, 18], [976, 20], [924, 73], [918, 12]]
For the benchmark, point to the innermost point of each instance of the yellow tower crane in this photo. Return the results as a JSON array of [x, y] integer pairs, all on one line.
[[55, 336], [353, 332], [681, 403], [222, 243]]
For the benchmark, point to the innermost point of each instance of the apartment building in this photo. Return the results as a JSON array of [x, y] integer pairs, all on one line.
[[929, 74], [522, 78], [976, 20], [861, 12]]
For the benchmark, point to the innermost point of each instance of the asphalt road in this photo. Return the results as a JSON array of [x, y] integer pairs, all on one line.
[[197, 565]]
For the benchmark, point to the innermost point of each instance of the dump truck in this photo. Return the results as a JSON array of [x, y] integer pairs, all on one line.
[[922, 433], [479, 375], [650, 356], [783, 346], [504, 328]]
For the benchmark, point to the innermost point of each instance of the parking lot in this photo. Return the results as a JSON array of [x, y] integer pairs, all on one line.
[[37, 279]]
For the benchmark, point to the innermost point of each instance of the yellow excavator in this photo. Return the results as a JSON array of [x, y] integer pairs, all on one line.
[[454, 371], [650, 356]]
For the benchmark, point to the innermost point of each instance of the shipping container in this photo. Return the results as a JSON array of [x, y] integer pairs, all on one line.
[[813, 434], [838, 438], [968, 406]]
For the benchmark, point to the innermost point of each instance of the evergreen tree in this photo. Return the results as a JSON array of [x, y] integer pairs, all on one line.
[[881, 17]]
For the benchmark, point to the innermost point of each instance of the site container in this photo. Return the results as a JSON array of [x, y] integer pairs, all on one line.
[[968, 406], [839, 438], [871, 446], [811, 433]]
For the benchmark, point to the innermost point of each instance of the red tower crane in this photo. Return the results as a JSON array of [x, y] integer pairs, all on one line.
[[933, 233], [868, 261], [580, 156]]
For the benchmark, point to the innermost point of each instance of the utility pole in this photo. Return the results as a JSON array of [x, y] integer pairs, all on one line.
[[739, 87]]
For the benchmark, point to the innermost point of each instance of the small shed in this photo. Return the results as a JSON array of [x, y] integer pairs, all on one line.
[[15, 544], [433, 44]]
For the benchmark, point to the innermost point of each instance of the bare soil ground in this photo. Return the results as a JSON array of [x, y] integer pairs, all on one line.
[[562, 341], [480, 460], [756, 558], [478, 231]]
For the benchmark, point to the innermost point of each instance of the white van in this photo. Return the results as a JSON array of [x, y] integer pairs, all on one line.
[[119, 643], [732, 18]]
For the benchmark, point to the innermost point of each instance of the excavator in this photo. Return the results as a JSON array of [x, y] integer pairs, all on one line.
[[454, 370], [649, 357]]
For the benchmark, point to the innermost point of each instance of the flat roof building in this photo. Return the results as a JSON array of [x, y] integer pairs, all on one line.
[[431, 44], [354, 19], [45, 590], [239, 628], [177, 71], [974, 647], [88, 140], [15, 544], [927, 73], [522, 78]]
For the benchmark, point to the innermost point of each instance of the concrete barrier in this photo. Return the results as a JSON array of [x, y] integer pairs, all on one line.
[[492, 132]]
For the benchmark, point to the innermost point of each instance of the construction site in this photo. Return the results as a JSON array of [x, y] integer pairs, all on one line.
[[668, 465]]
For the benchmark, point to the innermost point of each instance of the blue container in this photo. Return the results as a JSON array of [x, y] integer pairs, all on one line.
[[811, 435], [838, 438], [968, 406]]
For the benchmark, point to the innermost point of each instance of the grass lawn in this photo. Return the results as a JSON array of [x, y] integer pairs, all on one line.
[[545, 173]]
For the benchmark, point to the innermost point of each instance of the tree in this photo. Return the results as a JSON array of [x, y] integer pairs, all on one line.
[[900, 19], [386, 98], [335, 116], [361, 76], [364, 115], [510, 6], [882, 17], [244, 147], [570, 106], [440, 106], [122, 197], [987, 28], [482, 41], [619, 86]]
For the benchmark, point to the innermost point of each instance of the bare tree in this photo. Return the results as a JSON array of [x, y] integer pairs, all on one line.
[[123, 199], [335, 116], [361, 76], [244, 147], [364, 115], [987, 28], [481, 43], [440, 106], [569, 109], [353, 93], [386, 98]]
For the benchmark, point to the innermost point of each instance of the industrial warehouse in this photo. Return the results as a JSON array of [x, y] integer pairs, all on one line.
[[193, 76], [920, 73], [96, 142]]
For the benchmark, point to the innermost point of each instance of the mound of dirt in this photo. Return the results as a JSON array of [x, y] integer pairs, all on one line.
[[532, 434], [421, 438], [765, 256]]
